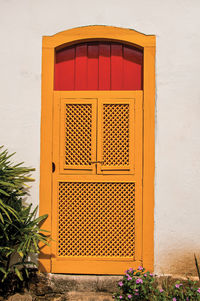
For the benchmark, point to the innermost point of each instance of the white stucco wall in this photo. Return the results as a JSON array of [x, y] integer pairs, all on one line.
[[176, 24]]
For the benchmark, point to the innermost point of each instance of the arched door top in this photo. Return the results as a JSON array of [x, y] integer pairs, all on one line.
[[97, 32]]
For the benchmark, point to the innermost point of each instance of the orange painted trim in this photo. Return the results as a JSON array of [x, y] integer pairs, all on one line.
[[87, 33], [97, 267], [46, 150], [149, 158]]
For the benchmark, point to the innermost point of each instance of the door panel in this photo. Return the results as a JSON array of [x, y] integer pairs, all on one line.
[[96, 219], [116, 136], [97, 208], [77, 135]]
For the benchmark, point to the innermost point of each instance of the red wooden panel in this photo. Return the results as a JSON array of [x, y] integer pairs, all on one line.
[[64, 69], [81, 67], [99, 66], [116, 67], [93, 67], [132, 75], [104, 66]]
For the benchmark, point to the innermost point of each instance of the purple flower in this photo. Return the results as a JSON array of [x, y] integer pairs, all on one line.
[[130, 270], [198, 291], [139, 280], [174, 299], [161, 290], [128, 277], [120, 283], [178, 285], [140, 268], [129, 296]]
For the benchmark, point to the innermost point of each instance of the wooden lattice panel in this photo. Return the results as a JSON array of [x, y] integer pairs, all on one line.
[[78, 129], [96, 219], [116, 134]]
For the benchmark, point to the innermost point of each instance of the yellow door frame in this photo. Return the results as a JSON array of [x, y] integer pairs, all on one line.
[[66, 38]]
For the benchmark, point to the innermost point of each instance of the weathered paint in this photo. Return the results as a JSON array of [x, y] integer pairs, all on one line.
[[177, 203]]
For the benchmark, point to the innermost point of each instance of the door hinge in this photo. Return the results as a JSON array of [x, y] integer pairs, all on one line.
[[53, 167]]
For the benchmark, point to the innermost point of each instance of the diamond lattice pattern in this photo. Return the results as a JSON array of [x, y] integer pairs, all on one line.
[[96, 219], [116, 134], [78, 131]]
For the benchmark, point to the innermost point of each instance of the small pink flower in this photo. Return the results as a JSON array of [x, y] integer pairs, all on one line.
[[140, 268], [136, 290], [198, 291], [120, 283], [129, 296], [174, 299], [151, 274], [128, 277], [178, 285], [139, 280], [161, 290], [145, 275], [130, 270], [136, 294]]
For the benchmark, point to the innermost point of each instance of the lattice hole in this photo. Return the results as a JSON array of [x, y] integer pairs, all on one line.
[[78, 133], [96, 219], [116, 134]]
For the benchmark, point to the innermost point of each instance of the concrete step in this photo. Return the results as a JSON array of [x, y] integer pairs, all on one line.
[[85, 296], [62, 284], [60, 287]]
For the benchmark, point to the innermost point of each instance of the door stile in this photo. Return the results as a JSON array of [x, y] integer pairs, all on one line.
[[56, 161], [138, 176]]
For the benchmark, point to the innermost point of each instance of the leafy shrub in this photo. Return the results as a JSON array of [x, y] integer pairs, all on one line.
[[20, 231], [142, 285], [197, 266]]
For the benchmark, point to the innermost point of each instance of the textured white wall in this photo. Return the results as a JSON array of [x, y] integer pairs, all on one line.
[[176, 25]]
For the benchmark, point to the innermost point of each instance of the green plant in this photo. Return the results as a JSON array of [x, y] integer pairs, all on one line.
[[142, 285], [197, 266], [20, 231]]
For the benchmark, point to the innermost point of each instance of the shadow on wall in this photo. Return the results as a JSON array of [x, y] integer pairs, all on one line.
[[179, 262]]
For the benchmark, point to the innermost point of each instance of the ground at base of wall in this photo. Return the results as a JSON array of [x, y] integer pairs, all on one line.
[[56, 287]]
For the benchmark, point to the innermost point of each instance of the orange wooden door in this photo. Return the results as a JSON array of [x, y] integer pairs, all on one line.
[[97, 182]]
